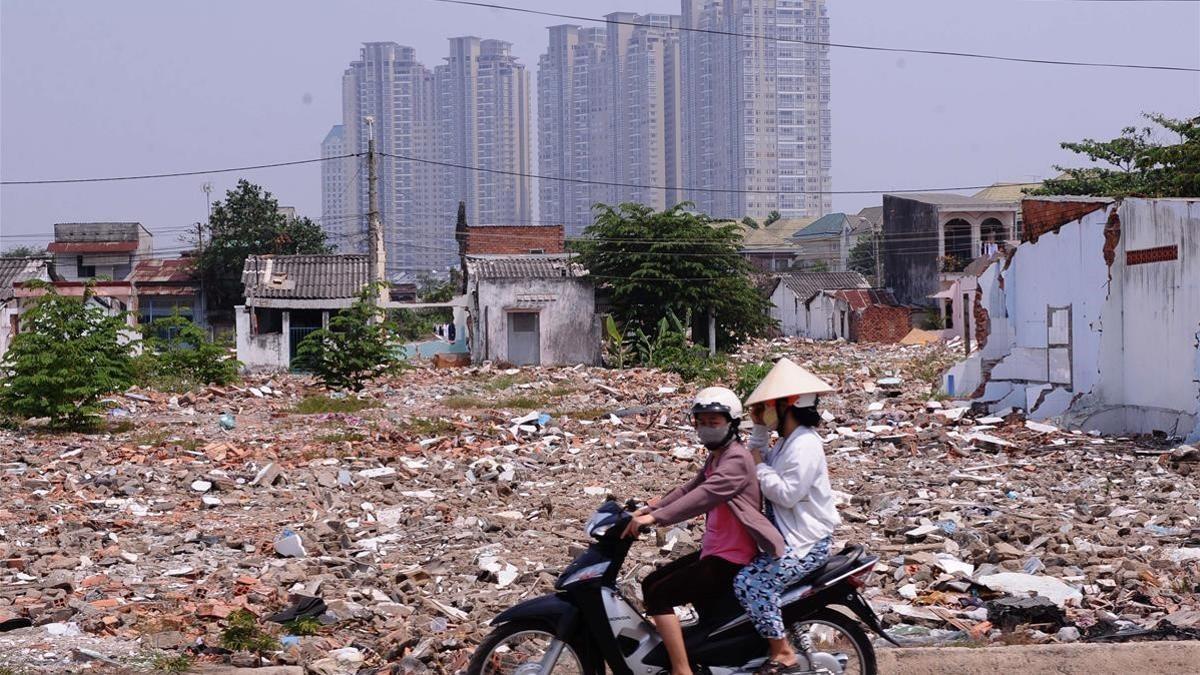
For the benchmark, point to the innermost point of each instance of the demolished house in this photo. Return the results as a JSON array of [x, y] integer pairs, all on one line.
[[532, 310], [288, 297], [1093, 319], [836, 305]]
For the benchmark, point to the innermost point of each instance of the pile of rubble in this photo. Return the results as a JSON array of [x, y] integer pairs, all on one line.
[[396, 524]]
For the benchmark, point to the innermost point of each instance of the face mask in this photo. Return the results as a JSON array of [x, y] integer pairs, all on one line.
[[713, 437], [770, 416]]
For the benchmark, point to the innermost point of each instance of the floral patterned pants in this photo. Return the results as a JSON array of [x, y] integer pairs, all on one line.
[[760, 584]]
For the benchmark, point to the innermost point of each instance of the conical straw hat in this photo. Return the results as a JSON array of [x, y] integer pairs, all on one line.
[[787, 379]]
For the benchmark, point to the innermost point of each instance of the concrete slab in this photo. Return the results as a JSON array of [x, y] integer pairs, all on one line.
[[1069, 659]]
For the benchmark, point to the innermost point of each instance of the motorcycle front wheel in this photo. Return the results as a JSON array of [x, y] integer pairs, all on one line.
[[837, 642], [518, 648]]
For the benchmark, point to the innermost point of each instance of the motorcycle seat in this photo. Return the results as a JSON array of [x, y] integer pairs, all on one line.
[[837, 565]]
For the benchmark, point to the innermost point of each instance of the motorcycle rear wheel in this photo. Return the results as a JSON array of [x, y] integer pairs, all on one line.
[[517, 647], [830, 631]]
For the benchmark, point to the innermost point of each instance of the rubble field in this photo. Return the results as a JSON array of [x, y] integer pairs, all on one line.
[[397, 522]]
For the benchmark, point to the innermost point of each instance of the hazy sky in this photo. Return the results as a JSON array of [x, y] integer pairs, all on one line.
[[147, 86]]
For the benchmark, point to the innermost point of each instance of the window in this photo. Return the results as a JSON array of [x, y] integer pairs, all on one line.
[[267, 320], [84, 271]]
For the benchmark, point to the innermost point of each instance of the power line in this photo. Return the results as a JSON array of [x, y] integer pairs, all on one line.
[[841, 45], [175, 174], [684, 188]]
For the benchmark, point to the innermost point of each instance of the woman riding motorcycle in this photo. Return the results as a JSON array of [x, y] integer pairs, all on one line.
[[794, 479], [726, 490]]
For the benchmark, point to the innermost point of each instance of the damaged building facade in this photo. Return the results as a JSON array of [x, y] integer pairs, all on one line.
[[532, 310], [1093, 320]]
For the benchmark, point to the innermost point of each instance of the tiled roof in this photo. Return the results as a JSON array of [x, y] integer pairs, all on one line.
[[777, 235], [860, 298], [873, 214], [807, 284], [164, 271], [307, 277], [960, 202], [16, 270], [1006, 192], [524, 267]]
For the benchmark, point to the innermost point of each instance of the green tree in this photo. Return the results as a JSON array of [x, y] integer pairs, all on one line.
[[772, 218], [248, 222], [677, 261], [1136, 163], [181, 350], [750, 223], [24, 252], [69, 355], [862, 256], [356, 347]]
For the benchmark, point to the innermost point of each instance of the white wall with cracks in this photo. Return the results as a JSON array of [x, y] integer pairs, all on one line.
[[1131, 363]]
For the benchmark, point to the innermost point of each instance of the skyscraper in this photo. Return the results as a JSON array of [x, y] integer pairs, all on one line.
[[804, 122], [608, 109], [337, 207], [484, 124], [755, 108], [472, 112], [390, 86]]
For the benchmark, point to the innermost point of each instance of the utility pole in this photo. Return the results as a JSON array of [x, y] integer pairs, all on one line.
[[374, 229]]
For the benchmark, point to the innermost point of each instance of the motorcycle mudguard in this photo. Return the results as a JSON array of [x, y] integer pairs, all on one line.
[[553, 609], [855, 603]]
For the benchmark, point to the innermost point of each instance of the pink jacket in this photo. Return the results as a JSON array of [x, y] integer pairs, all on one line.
[[734, 482]]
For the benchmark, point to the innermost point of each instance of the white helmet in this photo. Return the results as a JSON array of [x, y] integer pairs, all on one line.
[[718, 400]]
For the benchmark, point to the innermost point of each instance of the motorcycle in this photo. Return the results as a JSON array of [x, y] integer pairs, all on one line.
[[587, 624]]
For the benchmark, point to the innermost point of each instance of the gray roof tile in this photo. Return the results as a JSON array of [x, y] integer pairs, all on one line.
[[524, 267], [807, 284], [308, 277]]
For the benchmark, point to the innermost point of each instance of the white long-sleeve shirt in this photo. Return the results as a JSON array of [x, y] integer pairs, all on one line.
[[795, 479]]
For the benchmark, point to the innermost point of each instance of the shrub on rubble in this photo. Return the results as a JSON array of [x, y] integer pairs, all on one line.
[[69, 355], [243, 634], [748, 377], [667, 348], [358, 346], [177, 352]]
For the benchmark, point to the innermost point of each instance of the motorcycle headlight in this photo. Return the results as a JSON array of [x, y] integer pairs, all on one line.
[[586, 574]]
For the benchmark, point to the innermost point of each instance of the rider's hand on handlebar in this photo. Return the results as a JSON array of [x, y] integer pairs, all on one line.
[[649, 505], [633, 529]]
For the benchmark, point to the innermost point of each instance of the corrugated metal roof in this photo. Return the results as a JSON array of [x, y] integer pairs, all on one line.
[[829, 225], [16, 270], [807, 284], [305, 277], [524, 267]]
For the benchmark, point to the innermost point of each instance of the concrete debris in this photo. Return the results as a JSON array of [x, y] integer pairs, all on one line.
[[459, 492]]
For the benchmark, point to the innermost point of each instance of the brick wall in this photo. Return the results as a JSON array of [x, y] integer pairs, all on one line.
[[1047, 215], [514, 239], [880, 323], [983, 322]]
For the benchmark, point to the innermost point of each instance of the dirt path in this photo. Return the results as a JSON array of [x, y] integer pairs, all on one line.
[[1072, 659]]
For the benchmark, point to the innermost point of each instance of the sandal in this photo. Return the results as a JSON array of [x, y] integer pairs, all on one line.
[[773, 667]]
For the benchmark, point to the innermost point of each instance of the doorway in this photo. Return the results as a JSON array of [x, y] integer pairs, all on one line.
[[524, 339]]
